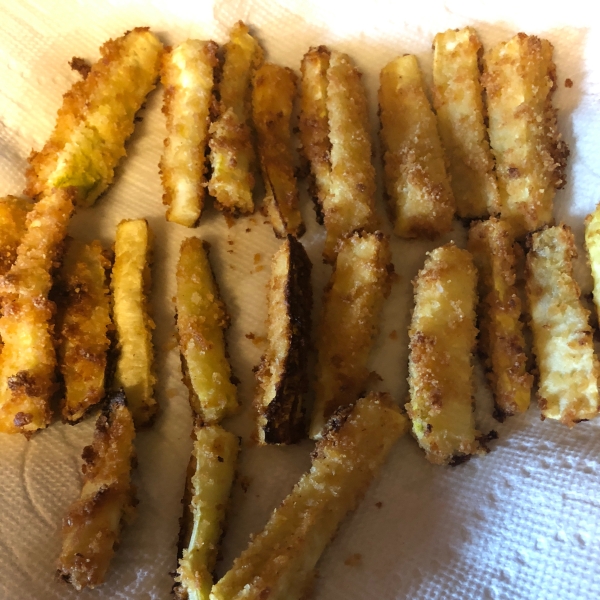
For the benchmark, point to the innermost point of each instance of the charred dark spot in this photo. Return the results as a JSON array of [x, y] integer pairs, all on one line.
[[21, 419], [81, 66], [568, 83], [24, 382], [459, 460], [220, 459], [88, 454], [513, 173]]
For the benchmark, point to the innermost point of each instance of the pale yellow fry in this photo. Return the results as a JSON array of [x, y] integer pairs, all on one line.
[[280, 560], [231, 149], [314, 123], [592, 243], [440, 372], [562, 337], [501, 341], [201, 323], [274, 89], [96, 118], [187, 73], [28, 365], [350, 204], [351, 309], [415, 175], [83, 324], [519, 78], [93, 523], [211, 471], [13, 216], [457, 98], [130, 286]]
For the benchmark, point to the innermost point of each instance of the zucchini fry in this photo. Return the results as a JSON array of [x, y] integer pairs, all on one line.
[[92, 527], [442, 338], [13, 217], [458, 102], [83, 324], [417, 184], [232, 154], [314, 124], [201, 321], [210, 476], [96, 118], [519, 79], [592, 243], [273, 94], [130, 286], [283, 372], [187, 73], [562, 336], [351, 308], [279, 561], [501, 341], [28, 365]]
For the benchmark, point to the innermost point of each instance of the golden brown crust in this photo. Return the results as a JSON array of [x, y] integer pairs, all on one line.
[[416, 180], [283, 372], [83, 325], [96, 118], [279, 562], [531, 157], [93, 523], [13, 217], [274, 89], [351, 308], [27, 369], [562, 337], [442, 338], [501, 341]]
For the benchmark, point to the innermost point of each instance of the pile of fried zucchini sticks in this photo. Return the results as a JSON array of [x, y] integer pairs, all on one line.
[[487, 151]]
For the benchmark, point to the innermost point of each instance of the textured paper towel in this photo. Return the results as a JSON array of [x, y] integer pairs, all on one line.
[[521, 523]]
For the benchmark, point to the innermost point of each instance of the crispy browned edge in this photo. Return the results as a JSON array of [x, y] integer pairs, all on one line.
[[285, 414]]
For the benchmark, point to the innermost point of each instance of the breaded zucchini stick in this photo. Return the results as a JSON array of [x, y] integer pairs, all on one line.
[[279, 561], [274, 89], [351, 308], [93, 524], [28, 365], [458, 102], [231, 146], [96, 118], [562, 336], [130, 286], [13, 217], [210, 476], [416, 180], [314, 124], [442, 338], [201, 323], [283, 371], [83, 325], [519, 79], [501, 341], [187, 73], [592, 243]]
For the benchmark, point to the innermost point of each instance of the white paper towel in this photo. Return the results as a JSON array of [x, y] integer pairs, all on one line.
[[520, 523]]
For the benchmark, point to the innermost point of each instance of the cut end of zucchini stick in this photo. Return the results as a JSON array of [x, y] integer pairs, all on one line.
[[28, 365], [282, 374], [458, 102], [232, 155], [210, 476], [440, 372], [531, 157], [201, 323], [501, 341], [562, 337], [416, 180], [96, 119], [351, 309], [188, 76], [280, 560], [130, 287], [93, 524], [83, 323], [274, 90]]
